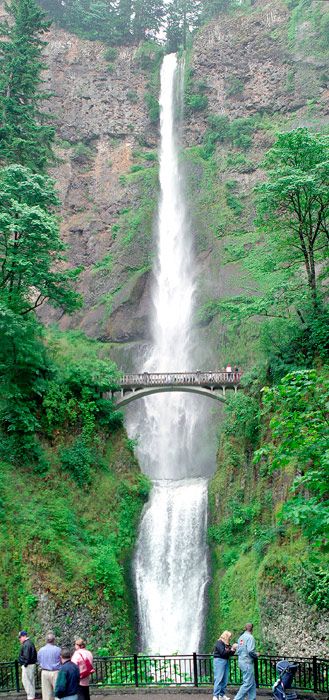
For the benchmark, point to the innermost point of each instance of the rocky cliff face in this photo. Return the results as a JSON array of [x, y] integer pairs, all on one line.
[[247, 66], [101, 122]]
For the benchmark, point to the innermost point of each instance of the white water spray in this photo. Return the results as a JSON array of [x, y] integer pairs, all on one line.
[[171, 561]]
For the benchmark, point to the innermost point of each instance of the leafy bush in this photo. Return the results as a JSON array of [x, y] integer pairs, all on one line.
[[242, 418], [110, 54], [78, 460], [153, 107], [197, 103], [234, 86]]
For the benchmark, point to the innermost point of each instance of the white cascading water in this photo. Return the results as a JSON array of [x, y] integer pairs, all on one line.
[[171, 556]]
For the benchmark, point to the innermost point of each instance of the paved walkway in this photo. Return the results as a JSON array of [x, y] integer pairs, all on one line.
[[163, 693]]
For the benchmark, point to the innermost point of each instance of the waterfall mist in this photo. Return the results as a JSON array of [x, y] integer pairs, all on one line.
[[171, 555]]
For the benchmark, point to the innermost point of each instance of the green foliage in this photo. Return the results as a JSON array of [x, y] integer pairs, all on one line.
[[242, 418], [238, 132], [234, 527], [30, 244], [82, 153], [234, 85], [152, 104], [183, 17], [77, 459], [110, 54], [149, 56], [24, 137], [197, 103], [298, 421]]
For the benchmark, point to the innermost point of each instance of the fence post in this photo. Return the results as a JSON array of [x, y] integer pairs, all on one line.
[[17, 676], [136, 670], [256, 672], [315, 674], [195, 670]]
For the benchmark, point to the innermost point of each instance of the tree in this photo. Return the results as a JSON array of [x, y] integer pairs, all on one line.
[[212, 8], [182, 18], [30, 245], [293, 205], [147, 18], [24, 138], [286, 256]]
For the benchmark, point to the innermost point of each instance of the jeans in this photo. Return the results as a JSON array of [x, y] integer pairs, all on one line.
[[221, 669], [249, 683]]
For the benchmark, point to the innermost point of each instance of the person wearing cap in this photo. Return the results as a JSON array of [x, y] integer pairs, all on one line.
[[67, 683], [49, 658], [27, 659], [246, 652]]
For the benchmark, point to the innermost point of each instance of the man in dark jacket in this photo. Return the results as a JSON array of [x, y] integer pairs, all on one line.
[[27, 659], [67, 683]]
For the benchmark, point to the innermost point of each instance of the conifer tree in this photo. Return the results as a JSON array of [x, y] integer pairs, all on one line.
[[182, 18], [24, 137], [147, 18]]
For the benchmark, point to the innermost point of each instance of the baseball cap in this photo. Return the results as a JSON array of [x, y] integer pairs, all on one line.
[[23, 633]]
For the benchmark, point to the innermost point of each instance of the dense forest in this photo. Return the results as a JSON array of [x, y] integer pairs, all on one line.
[[61, 439]]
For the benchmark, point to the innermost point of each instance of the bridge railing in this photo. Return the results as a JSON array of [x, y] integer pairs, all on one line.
[[169, 378], [183, 670]]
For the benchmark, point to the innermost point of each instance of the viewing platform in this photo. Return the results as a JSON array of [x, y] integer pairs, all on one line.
[[212, 384]]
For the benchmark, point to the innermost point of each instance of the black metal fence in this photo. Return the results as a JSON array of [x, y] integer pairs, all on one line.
[[186, 670]]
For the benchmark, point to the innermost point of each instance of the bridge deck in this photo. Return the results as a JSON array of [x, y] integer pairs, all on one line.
[[203, 379]]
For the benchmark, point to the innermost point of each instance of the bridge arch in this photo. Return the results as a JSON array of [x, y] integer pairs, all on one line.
[[218, 395]]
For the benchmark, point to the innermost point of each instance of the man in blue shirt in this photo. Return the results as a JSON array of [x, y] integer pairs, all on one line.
[[246, 652], [49, 658]]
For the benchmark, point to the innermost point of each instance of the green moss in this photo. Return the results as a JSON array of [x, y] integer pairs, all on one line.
[[233, 599], [75, 543]]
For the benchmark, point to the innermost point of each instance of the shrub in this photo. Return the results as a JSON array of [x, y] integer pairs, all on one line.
[[132, 96], [196, 103], [110, 54], [234, 85], [153, 107], [78, 460]]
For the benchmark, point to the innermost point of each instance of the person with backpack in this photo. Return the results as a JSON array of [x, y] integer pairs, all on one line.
[[83, 658]]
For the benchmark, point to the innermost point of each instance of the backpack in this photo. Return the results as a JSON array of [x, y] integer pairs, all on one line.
[[88, 667]]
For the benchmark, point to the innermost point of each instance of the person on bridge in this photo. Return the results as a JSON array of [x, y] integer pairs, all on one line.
[[222, 652], [247, 653]]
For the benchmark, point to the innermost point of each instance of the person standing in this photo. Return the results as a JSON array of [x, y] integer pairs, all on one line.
[[222, 652], [67, 682], [27, 659], [84, 660], [246, 652], [49, 658]]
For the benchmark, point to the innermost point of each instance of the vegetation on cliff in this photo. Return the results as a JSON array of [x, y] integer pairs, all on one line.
[[71, 489], [269, 508]]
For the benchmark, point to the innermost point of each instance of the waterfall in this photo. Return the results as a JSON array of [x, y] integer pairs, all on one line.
[[171, 559]]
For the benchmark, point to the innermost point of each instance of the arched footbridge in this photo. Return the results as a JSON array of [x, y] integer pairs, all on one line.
[[214, 385]]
